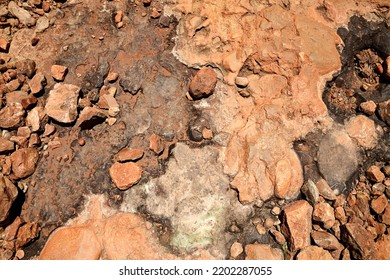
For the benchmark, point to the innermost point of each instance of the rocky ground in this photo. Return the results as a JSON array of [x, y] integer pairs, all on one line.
[[146, 129]]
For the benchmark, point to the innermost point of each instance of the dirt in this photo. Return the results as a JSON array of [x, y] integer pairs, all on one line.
[[218, 169]]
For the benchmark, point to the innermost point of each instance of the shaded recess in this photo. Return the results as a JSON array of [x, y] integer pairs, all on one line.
[[361, 79]]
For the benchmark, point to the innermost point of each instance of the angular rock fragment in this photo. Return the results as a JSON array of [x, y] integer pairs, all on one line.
[[325, 190], [62, 103], [156, 144], [359, 241], [363, 131], [379, 204], [6, 145], [128, 154], [11, 116], [374, 174], [325, 240], [297, 224], [311, 192], [262, 252], [37, 83], [23, 16], [384, 111], [8, 195], [58, 72], [324, 214], [26, 234], [91, 116]]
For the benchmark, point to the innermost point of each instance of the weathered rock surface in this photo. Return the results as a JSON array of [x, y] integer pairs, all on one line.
[[362, 245], [11, 116], [72, 243], [125, 175], [23, 15], [314, 253], [203, 83], [62, 103], [297, 224], [262, 252], [337, 157], [363, 131], [325, 240], [24, 162], [324, 214], [8, 195]]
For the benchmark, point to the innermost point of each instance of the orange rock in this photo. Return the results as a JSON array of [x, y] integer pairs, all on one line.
[[362, 245], [128, 154], [375, 174], [72, 243], [379, 204], [8, 195], [203, 84], [262, 252], [383, 248], [58, 72], [156, 144], [11, 116], [297, 224], [126, 237], [324, 214], [125, 175], [24, 162], [26, 234], [314, 253], [61, 104]]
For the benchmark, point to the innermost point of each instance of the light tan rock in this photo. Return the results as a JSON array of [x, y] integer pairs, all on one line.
[[363, 131], [236, 249], [324, 214], [11, 116], [72, 243], [37, 83], [62, 103], [325, 190], [6, 145], [262, 252], [297, 224], [128, 154]]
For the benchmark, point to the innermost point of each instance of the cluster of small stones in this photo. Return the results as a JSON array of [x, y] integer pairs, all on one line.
[[326, 226]]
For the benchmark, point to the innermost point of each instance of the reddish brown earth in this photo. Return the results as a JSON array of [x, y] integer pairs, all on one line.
[[194, 130]]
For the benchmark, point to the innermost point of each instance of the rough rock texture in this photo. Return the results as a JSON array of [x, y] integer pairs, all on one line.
[[297, 224], [189, 194], [125, 175], [8, 195], [337, 157], [314, 253], [262, 252], [363, 131], [362, 245], [203, 84], [324, 214], [62, 103], [24, 162]]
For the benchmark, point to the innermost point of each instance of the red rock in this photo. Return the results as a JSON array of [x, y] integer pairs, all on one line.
[[156, 144], [126, 236], [58, 72], [34, 140], [297, 224], [359, 241], [11, 231], [386, 216], [325, 240], [314, 253], [368, 107], [26, 67], [46, 6], [6, 145], [379, 204], [11, 116], [26, 234], [24, 162], [8, 195], [382, 248], [339, 214], [128, 154], [262, 252], [384, 111], [362, 204], [125, 175], [4, 45], [324, 214], [203, 83], [29, 102], [37, 83], [325, 190], [72, 243], [89, 116], [374, 174], [62, 103]]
